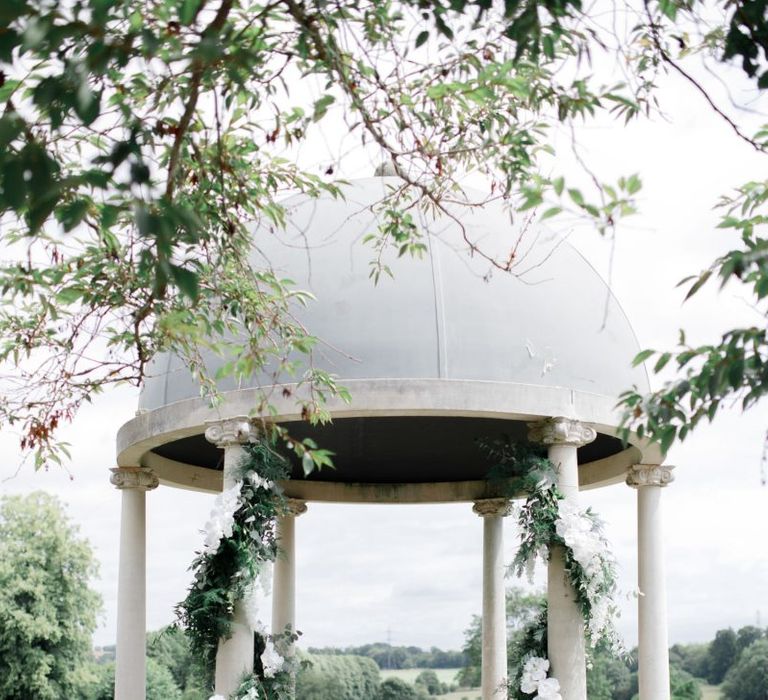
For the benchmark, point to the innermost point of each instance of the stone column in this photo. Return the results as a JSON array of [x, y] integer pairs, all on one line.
[[494, 640], [234, 657], [653, 650], [130, 661], [284, 574], [565, 624]]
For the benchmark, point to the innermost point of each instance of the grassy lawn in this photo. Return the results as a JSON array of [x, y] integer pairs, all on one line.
[[444, 675], [710, 692], [473, 694]]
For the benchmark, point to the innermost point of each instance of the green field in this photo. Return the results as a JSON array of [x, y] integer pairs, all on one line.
[[448, 675], [462, 695], [710, 692], [444, 675]]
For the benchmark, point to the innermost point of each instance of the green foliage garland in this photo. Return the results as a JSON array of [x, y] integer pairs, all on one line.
[[221, 578], [546, 521]]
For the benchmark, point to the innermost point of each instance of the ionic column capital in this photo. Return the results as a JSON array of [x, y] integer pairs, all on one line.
[[295, 507], [561, 431], [500, 507], [230, 431], [139, 478], [650, 475]]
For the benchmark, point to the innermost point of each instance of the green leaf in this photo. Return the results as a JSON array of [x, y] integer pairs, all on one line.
[[187, 281], [634, 184], [8, 88], [437, 92], [576, 196], [549, 213], [668, 8], [422, 38], [69, 295], [667, 437], [307, 463], [321, 107], [703, 277], [642, 357], [72, 213], [664, 358], [14, 185], [188, 11]]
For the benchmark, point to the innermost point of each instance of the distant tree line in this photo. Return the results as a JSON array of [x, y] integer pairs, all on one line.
[[48, 613], [387, 656], [737, 661]]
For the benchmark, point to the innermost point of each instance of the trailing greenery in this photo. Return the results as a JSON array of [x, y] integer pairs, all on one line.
[[546, 522], [223, 577]]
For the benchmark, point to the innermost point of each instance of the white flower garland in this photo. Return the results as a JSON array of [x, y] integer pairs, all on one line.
[[222, 518], [219, 526], [545, 511], [583, 535]]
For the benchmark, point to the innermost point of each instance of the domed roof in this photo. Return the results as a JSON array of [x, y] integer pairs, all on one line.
[[448, 353], [551, 322]]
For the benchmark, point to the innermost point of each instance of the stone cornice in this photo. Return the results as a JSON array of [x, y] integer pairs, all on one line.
[[650, 475], [295, 506], [230, 431], [561, 431], [139, 478], [493, 506]]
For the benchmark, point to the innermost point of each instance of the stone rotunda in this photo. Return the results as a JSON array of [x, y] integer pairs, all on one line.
[[447, 353]]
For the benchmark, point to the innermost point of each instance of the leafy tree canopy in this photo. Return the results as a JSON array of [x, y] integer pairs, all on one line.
[[721, 655], [397, 689], [748, 678], [47, 608], [160, 684], [336, 677], [140, 142]]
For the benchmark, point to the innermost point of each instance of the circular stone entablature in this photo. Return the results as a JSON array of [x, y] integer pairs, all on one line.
[[449, 353]]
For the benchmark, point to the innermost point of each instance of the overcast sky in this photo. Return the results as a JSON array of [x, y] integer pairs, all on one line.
[[413, 573]]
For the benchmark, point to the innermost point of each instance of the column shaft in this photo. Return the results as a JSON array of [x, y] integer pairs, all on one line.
[[565, 623], [284, 576], [493, 676], [234, 656], [494, 649], [130, 661], [653, 654]]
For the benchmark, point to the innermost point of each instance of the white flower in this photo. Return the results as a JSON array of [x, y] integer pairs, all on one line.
[[259, 482], [255, 597], [549, 689], [537, 667], [271, 660], [217, 697], [222, 518], [534, 671], [529, 686]]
